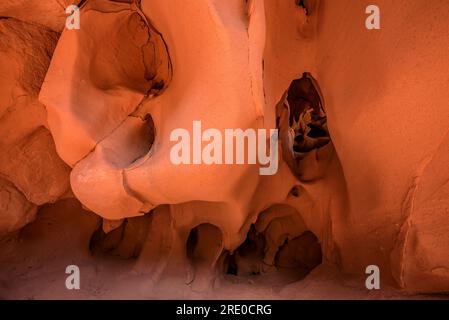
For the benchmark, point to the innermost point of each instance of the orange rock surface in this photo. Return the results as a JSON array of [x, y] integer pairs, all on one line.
[[86, 178]]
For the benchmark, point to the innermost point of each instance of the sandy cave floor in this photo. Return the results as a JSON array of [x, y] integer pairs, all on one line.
[[33, 267]]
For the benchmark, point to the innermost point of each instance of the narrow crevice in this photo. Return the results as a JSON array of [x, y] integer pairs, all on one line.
[[301, 3], [82, 3]]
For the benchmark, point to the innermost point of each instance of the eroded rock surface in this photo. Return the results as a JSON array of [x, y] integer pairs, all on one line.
[[86, 118]]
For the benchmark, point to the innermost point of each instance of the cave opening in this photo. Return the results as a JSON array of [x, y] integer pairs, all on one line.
[[307, 116], [124, 242], [204, 244], [303, 130], [292, 259]]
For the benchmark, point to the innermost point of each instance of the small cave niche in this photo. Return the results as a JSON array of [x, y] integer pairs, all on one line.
[[124, 242], [307, 116], [295, 192], [144, 139], [248, 256], [282, 252], [150, 130], [303, 252], [130, 143], [204, 244], [309, 6], [302, 123]]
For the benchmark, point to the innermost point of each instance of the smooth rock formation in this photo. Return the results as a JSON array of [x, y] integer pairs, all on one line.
[[89, 118]]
